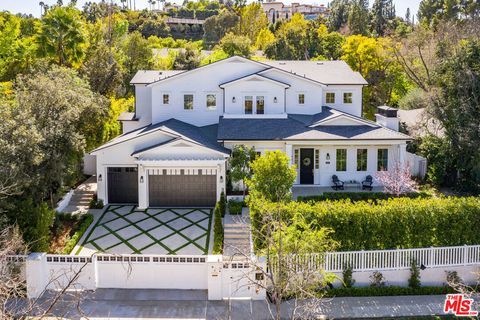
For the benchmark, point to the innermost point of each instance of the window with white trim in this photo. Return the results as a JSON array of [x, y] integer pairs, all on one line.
[[317, 159], [301, 98], [382, 160], [188, 101], [166, 98], [330, 97], [347, 97], [362, 159], [211, 102]]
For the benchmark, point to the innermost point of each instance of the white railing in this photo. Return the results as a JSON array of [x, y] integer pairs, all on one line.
[[388, 259], [130, 258]]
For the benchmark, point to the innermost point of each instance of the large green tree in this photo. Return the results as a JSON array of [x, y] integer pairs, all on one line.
[[62, 36], [216, 27]]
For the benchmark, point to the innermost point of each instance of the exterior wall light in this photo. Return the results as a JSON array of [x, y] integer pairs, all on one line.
[[99, 177], [141, 179], [328, 156], [234, 100], [221, 179], [275, 100]]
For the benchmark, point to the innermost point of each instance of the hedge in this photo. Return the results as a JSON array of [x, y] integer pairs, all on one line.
[[217, 230], [84, 224], [235, 207], [386, 291], [222, 204], [394, 223], [360, 196]]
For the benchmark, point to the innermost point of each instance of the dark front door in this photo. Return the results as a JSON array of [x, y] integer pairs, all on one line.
[[182, 190], [306, 166], [122, 185]]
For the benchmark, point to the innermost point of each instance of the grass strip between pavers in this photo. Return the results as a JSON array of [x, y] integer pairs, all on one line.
[[91, 231], [141, 231]]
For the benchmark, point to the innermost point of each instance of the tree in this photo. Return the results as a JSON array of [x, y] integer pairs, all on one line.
[[137, 55], [273, 177], [216, 27], [358, 17], [239, 164], [232, 45], [154, 27], [102, 71], [252, 20], [396, 180], [292, 40], [264, 38], [329, 44], [62, 36], [187, 59], [339, 11]]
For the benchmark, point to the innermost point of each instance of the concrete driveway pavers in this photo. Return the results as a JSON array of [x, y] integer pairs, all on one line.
[[125, 229]]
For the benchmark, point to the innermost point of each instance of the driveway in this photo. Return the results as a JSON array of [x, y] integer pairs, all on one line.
[[125, 229]]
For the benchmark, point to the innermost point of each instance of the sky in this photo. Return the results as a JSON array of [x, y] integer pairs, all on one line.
[[32, 6]]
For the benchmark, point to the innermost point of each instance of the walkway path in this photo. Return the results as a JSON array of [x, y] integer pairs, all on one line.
[[82, 196], [188, 304], [237, 235]]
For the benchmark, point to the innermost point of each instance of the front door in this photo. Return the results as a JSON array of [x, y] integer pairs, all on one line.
[[306, 166]]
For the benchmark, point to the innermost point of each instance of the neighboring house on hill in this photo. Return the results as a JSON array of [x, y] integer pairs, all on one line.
[[174, 148], [276, 10]]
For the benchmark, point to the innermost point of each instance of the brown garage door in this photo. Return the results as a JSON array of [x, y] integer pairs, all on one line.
[[182, 190], [122, 185]]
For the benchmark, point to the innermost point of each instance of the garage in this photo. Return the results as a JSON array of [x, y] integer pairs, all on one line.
[[182, 190], [122, 185]]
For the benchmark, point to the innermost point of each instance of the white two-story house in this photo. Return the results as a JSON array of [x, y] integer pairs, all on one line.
[[175, 146]]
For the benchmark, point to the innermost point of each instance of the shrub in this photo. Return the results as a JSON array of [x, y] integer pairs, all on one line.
[[359, 196], [395, 223], [235, 207], [347, 274], [377, 280], [95, 203], [386, 291], [217, 230], [84, 224], [453, 279], [222, 204], [414, 280]]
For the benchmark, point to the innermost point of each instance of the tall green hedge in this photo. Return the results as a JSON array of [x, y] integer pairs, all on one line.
[[360, 196], [217, 230], [395, 223]]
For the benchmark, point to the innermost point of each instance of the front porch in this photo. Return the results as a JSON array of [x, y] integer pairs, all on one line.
[[304, 191]]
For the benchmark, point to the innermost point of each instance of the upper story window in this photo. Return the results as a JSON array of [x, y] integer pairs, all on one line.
[[166, 98], [382, 160], [341, 159], [330, 98], [362, 159], [248, 104], [301, 98], [347, 97], [211, 102], [188, 102]]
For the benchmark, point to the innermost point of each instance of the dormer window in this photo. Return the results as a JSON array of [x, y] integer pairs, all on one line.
[[347, 97], [211, 102], [301, 98], [188, 101], [330, 97], [166, 98]]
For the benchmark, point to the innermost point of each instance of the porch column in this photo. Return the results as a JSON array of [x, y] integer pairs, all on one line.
[[402, 154], [142, 187]]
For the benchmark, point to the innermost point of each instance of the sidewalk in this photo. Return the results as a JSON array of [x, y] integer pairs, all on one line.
[[193, 304]]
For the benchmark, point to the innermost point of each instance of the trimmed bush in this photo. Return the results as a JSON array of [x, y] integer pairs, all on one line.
[[235, 207], [395, 223], [360, 196], [223, 204], [84, 224], [95, 203], [217, 230], [386, 291]]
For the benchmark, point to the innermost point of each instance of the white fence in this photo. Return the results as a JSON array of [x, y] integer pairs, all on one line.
[[398, 259], [418, 165]]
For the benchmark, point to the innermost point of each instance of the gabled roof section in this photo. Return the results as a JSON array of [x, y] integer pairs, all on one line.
[[290, 74], [326, 72], [149, 76], [230, 59], [253, 77], [177, 142], [331, 117], [176, 129]]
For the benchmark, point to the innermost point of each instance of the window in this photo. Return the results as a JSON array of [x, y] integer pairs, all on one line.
[[330, 97], [341, 159], [361, 159], [382, 160], [131, 169], [347, 97], [248, 104], [260, 104], [211, 102], [166, 99], [317, 159], [301, 98], [296, 156], [188, 101]]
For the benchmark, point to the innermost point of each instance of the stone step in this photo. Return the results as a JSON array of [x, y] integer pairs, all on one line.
[[83, 200], [240, 231], [84, 192], [236, 226]]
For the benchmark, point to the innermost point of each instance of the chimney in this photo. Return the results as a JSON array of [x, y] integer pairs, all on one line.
[[387, 117]]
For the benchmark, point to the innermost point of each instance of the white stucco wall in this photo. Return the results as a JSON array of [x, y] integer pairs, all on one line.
[[354, 108]]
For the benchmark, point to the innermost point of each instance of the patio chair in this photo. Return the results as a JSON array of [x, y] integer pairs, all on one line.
[[367, 183], [337, 184]]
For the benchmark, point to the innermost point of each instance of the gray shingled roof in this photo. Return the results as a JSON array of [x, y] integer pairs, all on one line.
[[296, 127], [326, 72], [205, 136], [149, 76]]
